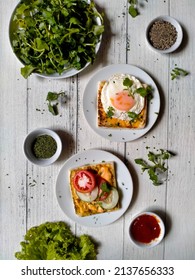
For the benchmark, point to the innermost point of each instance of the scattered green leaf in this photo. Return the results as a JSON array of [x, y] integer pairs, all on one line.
[[158, 165], [177, 72], [133, 8], [52, 101]]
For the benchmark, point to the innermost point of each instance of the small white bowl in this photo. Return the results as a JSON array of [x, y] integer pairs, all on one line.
[[143, 228], [178, 27], [28, 142]]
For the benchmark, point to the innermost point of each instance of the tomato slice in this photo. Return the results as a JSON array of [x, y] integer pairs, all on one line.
[[84, 181]]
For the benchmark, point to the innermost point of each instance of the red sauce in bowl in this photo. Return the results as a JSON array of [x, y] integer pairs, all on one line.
[[145, 228]]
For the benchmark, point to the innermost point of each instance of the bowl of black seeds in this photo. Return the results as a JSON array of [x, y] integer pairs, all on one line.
[[42, 146], [164, 34]]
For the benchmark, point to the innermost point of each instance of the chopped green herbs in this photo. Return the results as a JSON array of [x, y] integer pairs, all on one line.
[[177, 72], [133, 8], [158, 168], [52, 101], [44, 146], [52, 36], [110, 112]]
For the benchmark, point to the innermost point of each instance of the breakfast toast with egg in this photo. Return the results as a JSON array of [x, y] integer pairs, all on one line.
[[108, 119], [103, 197]]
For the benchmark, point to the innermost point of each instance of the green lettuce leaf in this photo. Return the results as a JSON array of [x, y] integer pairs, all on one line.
[[55, 241]]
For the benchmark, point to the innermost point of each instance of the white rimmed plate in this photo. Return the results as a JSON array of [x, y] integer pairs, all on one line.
[[124, 182], [90, 103]]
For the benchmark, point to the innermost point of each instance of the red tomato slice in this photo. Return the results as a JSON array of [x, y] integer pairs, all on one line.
[[84, 181]]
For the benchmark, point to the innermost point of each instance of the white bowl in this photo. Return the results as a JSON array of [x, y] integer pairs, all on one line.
[[28, 142], [67, 72], [176, 24], [142, 228]]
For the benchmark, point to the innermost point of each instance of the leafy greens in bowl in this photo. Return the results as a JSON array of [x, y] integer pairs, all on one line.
[[55, 241], [55, 38]]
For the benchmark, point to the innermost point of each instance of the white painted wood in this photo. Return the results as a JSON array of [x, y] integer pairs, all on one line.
[[27, 192]]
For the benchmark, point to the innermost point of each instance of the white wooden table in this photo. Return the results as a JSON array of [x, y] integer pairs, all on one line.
[[23, 108]]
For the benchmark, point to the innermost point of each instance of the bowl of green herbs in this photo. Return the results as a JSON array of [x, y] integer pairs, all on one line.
[[42, 146], [55, 38]]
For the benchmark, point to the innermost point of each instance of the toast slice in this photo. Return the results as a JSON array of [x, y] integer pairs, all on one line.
[[104, 169], [103, 120]]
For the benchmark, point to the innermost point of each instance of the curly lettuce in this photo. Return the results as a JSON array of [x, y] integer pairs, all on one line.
[[55, 241]]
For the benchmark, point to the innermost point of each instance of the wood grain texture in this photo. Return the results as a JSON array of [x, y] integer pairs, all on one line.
[[27, 192]]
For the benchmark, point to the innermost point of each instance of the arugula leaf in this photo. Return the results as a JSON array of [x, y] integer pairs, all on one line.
[[145, 92], [158, 167], [177, 72], [128, 84], [52, 99], [52, 35], [132, 8], [133, 11]]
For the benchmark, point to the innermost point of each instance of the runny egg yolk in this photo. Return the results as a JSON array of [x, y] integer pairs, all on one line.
[[122, 101]]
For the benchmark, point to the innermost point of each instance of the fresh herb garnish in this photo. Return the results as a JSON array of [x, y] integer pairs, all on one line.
[[133, 116], [110, 112], [52, 99], [158, 168], [128, 84], [105, 187], [145, 92], [177, 72], [55, 35], [133, 8]]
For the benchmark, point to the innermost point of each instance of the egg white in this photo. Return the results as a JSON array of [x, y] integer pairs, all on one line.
[[115, 85]]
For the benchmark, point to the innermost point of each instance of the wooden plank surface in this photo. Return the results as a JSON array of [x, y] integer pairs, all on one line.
[[27, 192]]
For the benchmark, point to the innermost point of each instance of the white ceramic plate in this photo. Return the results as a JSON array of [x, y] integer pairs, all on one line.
[[124, 182], [90, 103]]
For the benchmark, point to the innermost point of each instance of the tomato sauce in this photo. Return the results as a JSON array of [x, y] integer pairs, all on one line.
[[145, 228]]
